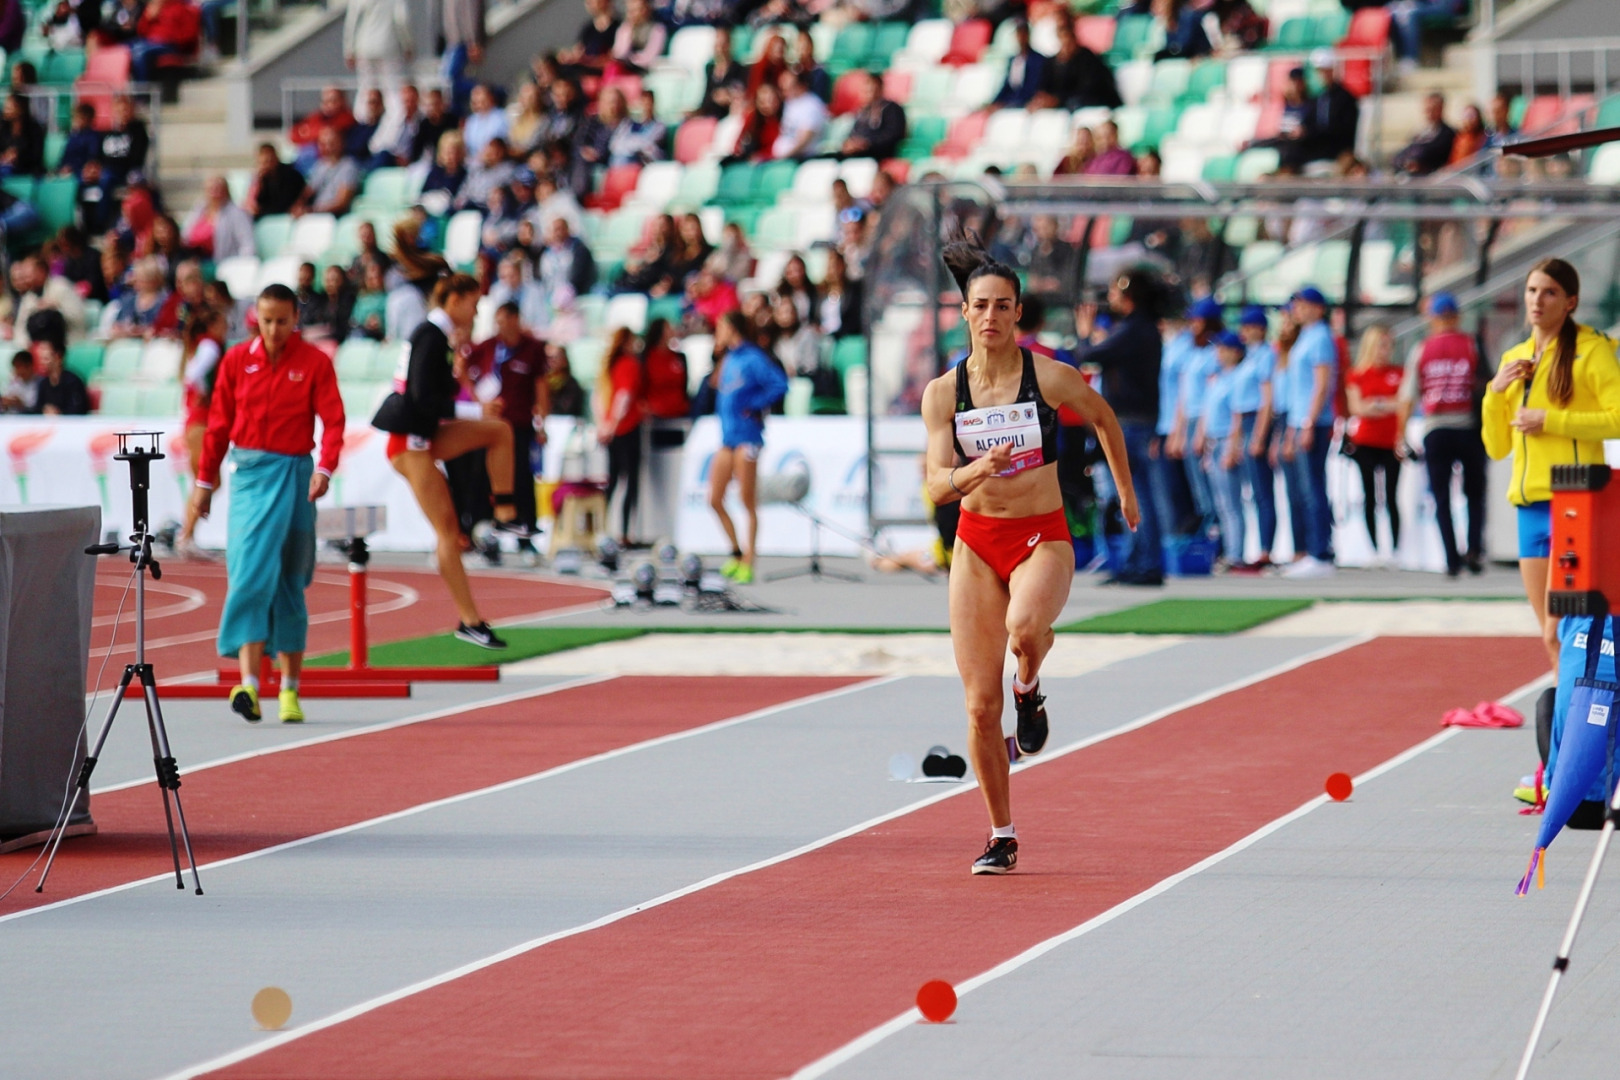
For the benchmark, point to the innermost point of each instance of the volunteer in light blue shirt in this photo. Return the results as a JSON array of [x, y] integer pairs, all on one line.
[[1220, 441], [1313, 365], [1254, 401], [1197, 366]]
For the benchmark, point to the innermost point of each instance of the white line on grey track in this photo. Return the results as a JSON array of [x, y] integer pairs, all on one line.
[[363, 1007], [466, 796], [909, 1019]]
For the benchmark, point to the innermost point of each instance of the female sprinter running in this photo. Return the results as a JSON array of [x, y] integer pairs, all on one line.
[[1553, 401], [427, 425], [992, 443]]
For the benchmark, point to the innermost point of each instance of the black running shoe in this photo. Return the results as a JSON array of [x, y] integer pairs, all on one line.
[[1031, 709], [482, 635], [1000, 856]]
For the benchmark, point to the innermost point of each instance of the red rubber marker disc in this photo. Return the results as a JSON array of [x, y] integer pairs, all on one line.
[[936, 1001], [1339, 786]]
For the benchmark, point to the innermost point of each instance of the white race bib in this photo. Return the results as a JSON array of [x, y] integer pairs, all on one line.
[[981, 430]]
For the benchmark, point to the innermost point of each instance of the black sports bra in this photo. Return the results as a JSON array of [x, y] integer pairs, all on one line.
[[1027, 419]]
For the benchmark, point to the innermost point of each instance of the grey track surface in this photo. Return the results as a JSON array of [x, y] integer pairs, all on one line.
[[166, 977], [1380, 937], [906, 601]]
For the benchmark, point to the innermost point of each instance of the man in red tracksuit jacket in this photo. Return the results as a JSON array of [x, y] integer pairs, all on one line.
[[267, 395], [166, 28]]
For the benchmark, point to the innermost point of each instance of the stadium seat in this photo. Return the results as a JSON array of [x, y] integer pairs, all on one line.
[[160, 360], [1330, 269], [846, 93], [1170, 78], [922, 135], [57, 199], [849, 352], [1131, 121], [619, 233], [968, 41], [772, 179], [777, 229], [928, 41], [850, 48], [119, 398], [1377, 264], [657, 184], [1205, 76], [813, 180], [889, 39], [1254, 163], [63, 68], [931, 89], [619, 182], [239, 273], [693, 137], [354, 359], [834, 134], [122, 360], [736, 184], [281, 270], [1220, 168], [585, 359], [1200, 124], [1096, 32], [1329, 28], [1181, 162], [976, 85], [692, 47], [461, 238], [1241, 230], [1608, 114], [1605, 166], [84, 358], [1294, 35], [387, 188], [1049, 131], [858, 174], [311, 235], [1006, 132], [1369, 29], [1133, 35], [963, 136], [1246, 78], [271, 233], [897, 86], [698, 185], [1133, 78], [1542, 111], [1160, 122]]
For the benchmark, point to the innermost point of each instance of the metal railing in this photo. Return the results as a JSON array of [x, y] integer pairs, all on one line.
[[147, 94], [1568, 65]]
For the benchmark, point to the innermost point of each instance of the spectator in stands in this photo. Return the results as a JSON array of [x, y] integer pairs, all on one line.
[[1238, 26], [24, 79], [445, 181], [815, 77], [1502, 127], [639, 137], [485, 121], [594, 141], [365, 237], [186, 298], [134, 315], [22, 140], [277, 186], [311, 301], [1332, 116], [164, 245], [119, 25], [377, 44], [552, 202], [1081, 153], [80, 263], [40, 290], [19, 395], [83, 143], [492, 169], [13, 25], [732, 260], [646, 264], [511, 367], [514, 286], [839, 311], [1471, 136], [1076, 78], [218, 228], [772, 62], [340, 297], [1313, 364], [62, 29], [1025, 69], [685, 257], [124, 146], [804, 117], [464, 37], [167, 28], [1441, 375], [528, 126], [1430, 149], [115, 271], [1183, 23], [725, 82], [369, 315], [594, 47], [333, 112], [854, 242], [334, 180], [368, 118], [708, 297], [501, 221], [437, 118], [565, 262], [58, 391], [1407, 18], [798, 345], [797, 287], [880, 124], [1371, 390], [1112, 159], [640, 39], [567, 397], [1053, 265], [761, 127], [419, 270]]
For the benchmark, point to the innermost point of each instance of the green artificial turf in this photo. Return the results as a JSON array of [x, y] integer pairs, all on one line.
[[443, 650], [1209, 616]]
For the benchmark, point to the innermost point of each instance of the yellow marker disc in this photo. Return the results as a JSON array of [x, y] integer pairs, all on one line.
[[272, 1008]]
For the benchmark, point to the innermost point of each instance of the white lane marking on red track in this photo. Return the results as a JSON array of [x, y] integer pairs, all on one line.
[[378, 1002], [191, 600], [465, 796], [856, 1047]]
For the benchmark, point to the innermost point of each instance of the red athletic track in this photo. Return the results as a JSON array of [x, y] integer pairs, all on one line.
[[181, 642], [260, 802], [766, 972]]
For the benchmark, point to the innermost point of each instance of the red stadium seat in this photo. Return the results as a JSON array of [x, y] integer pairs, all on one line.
[[969, 41], [1096, 32], [964, 135], [1369, 29], [106, 69], [627, 84], [845, 95], [899, 168], [1543, 110], [619, 182], [693, 138], [897, 86], [1270, 123]]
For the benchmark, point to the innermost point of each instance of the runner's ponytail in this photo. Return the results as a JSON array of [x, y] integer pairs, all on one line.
[[968, 261]]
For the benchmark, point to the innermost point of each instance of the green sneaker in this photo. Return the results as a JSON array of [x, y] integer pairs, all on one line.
[[744, 574], [729, 568], [245, 703]]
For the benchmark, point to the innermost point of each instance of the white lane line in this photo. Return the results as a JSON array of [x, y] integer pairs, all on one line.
[[369, 729], [465, 796], [858, 1046], [190, 600], [360, 1009]]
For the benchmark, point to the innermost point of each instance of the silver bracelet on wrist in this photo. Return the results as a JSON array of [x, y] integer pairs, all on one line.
[[952, 479]]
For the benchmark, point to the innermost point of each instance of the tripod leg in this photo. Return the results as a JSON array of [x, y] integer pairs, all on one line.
[[1561, 961], [86, 769], [168, 779]]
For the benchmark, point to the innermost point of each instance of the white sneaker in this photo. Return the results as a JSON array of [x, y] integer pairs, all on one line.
[[1309, 567]]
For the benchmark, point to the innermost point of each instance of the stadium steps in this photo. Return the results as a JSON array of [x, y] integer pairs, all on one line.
[[195, 142]]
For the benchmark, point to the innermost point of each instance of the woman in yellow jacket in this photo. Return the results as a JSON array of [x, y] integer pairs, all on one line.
[[1553, 401]]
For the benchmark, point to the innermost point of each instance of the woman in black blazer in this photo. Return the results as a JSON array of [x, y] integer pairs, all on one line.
[[427, 425]]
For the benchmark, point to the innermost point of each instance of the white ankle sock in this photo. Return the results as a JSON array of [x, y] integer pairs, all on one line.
[[290, 682], [253, 681], [1024, 688], [1004, 832]]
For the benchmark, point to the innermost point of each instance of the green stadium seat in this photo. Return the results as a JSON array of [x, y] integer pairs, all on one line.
[[698, 185], [851, 48], [354, 359], [1207, 75], [1220, 168], [84, 359], [62, 68], [849, 352], [56, 199], [55, 143], [19, 187], [1131, 34], [121, 360], [271, 233], [922, 135], [930, 88], [777, 229], [736, 185], [120, 399], [667, 308], [1294, 35], [160, 400], [772, 179], [1329, 28], [889, 39], [1170, 79], [1608, 114], [1160, 122]]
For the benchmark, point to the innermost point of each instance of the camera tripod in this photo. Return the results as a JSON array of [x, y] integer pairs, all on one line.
[[140, 458]]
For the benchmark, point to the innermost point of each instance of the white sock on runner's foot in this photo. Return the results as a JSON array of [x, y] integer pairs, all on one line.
[[1004, 832], [1024, 688]]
